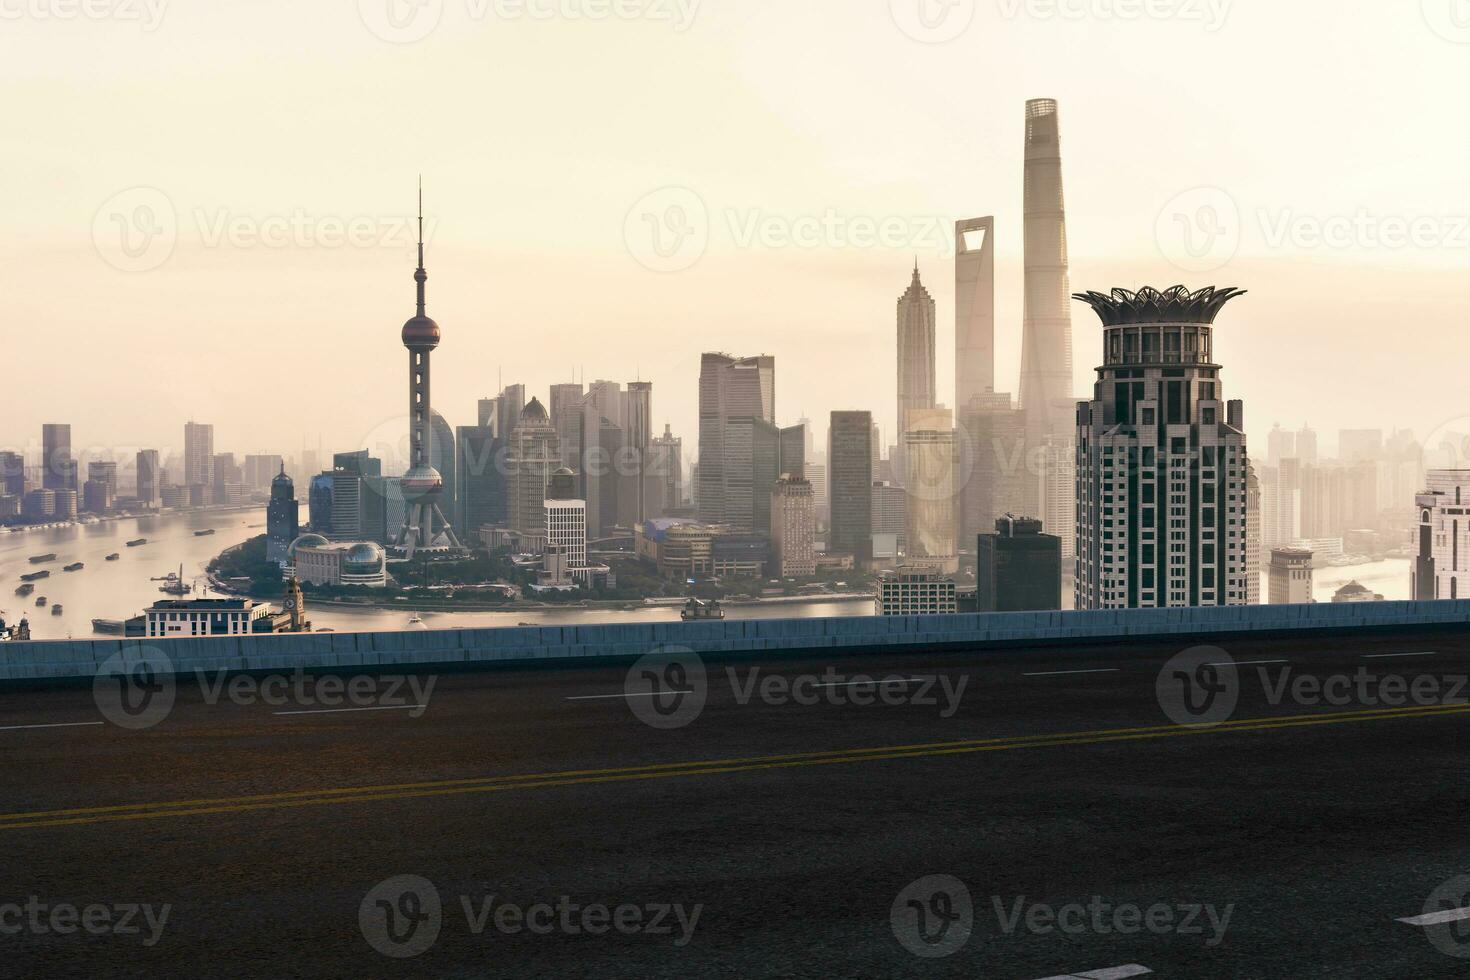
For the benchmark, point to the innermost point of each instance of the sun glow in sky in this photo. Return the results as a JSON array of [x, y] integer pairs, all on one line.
[[208, 204]]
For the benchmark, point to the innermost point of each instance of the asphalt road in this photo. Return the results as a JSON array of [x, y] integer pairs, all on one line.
[[1020, 815]]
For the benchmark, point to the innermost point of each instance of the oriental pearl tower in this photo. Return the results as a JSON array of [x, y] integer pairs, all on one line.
[[422, 484]]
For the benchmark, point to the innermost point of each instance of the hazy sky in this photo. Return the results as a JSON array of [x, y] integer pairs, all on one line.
[[206, 203]]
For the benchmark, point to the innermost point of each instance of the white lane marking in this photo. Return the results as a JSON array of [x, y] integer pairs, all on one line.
[[1111, 973], [640, 694], [1246, 663], [338, 711], [1064, 673], [874, 680], [62, 724], [1392, 656], [1438, 918]]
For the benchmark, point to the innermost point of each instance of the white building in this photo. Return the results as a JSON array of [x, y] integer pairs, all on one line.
[[1162, 465], [915, 590], [1443, 562], [793, 529], [566, 530], [314, 559], [1291, 577], [172, 618]]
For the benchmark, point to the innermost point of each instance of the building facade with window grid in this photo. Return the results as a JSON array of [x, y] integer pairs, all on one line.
[[1162, 469]]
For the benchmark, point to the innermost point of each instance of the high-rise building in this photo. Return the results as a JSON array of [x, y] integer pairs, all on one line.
[[734, 394], [533, 455], [39, 505], [480, 468], [566, 520], [58, 468], [422, 486], [1444, 536], [915, 353], [793, 529], [1358, 445], [261, 469], [1046, 339], [667, 466], [1280, 444], [103, 471], [1161, 480], [198, 454], [149, 478], [282, 516], [794, 455], [974, 311], [850, 484], [929, 489], [1306, 445], [993, 476], [1291, 576], [12, 474], [1253, 536], [638, 408], [890, 519], [565, 409], [1018, 568]]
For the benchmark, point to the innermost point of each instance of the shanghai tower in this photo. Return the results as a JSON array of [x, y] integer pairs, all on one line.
[[1046, 340], [1047, 400]]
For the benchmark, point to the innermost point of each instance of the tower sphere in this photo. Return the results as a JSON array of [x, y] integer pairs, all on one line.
[[421, 333], [420, 483]]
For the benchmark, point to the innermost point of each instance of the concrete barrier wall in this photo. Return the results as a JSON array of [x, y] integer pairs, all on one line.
[[525, 644]]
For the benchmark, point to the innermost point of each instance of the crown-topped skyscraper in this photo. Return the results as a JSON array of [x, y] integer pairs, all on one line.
[[422, 485]]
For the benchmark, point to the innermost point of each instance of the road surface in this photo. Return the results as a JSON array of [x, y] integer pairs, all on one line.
[[1020, 814]]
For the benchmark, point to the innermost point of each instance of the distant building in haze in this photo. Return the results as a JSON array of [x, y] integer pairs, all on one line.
[[734, 395], [58, 468], [282, 517], [793, 529], [916, 316], [850, 484], [198, 454], [929, 527]]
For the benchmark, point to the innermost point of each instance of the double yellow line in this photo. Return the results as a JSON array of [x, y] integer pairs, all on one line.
[[713, 767]]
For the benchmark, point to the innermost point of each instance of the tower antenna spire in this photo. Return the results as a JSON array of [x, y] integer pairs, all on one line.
[[420, 276]]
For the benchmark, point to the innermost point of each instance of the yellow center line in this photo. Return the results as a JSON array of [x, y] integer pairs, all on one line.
[[495, 784]]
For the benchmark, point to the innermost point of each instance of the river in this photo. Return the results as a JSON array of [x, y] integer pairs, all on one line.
[[123, 588]]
